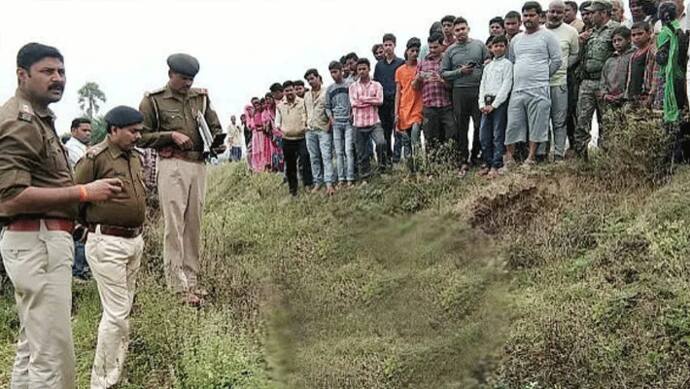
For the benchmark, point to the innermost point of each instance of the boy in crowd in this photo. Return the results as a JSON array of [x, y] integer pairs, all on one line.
[[299, 88], [512, 22], [439, 122], [641, 68], [496, 26], [614, 74], [338, 110], [494, 91], [408, 101]]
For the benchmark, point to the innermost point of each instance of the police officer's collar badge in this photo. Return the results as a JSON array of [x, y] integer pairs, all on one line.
[[26, 113]]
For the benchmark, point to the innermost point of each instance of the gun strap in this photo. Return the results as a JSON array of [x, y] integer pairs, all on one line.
[[155, 112], [203, 110]]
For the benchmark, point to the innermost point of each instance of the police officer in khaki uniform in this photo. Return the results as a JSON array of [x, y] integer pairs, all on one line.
[[171, 128], [38, 205], [115, 244]]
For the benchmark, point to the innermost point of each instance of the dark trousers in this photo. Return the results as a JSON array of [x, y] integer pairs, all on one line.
[[387, 116], [80, 268], [439, 127], [571, 119], [465, 106], [493, 134], [292, 150], [363, 138]]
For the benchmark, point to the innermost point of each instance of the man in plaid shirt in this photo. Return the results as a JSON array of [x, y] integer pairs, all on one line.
[[439, 122], [366, 96]]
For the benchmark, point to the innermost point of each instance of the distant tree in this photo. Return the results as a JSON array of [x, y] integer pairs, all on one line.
[[90, 96], [98, 131]]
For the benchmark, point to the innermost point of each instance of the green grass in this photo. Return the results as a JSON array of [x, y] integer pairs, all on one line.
[[555, 278]]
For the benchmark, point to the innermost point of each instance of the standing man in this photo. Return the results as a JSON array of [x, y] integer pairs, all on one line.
[[618, 13], [76, 148], [537, 57], [79, 141], [339, 114], [408, 103], [299, 88], [438, 123], [170, 127], [115, 244], [366, 97], [570, 16], [384, 74], [570, 48], [462, 65], [597, 50], [319, 136], [235, 139], [377, 51], [291, 120], [38, 206]]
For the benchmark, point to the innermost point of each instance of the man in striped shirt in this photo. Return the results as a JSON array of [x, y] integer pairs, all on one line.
[[366, 96]]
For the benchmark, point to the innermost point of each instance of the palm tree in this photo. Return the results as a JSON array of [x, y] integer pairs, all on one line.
[[90, 96]]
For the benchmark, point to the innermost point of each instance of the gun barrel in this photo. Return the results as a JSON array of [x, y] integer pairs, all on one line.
[[205, 133]]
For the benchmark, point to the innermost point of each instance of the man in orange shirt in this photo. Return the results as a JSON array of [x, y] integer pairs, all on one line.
[[408, 101]]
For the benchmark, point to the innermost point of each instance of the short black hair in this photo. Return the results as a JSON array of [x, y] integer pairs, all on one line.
[[641, 26], [389, 37], [436, 37], [33, 52], [254, 98], [78, 122], [267, 95], [448, 19], [460, 20], [496, 19], [499, 39], [532, 6], [375, 48], [312, 72], [363, 61], [513, 15], [298, 83], [276, 87], [349, 56], [288, 84], [343, 60], [622, 31], [414, 42], [335, 65], [572, 5]]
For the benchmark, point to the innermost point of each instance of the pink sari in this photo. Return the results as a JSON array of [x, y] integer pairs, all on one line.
[[261, 144]]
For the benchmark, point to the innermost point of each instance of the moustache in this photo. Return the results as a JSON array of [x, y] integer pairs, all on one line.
[[59, 87]]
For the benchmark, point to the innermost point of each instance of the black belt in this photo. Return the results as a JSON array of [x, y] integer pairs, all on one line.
[[121, 232]]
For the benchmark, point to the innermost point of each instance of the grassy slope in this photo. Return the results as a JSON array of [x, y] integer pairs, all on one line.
[[545, 280]]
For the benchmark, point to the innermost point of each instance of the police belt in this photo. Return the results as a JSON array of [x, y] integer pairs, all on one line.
[[190, 156], [119, 231]]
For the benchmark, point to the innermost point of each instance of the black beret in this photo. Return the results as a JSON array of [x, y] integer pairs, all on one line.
[[123, 116], [184, 64]]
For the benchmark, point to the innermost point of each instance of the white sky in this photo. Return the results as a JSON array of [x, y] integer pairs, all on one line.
[[243, 45]]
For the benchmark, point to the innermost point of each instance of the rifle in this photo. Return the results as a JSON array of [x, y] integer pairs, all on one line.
[[211, 143]]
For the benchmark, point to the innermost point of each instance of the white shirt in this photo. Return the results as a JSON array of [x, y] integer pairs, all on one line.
[[75, 150]]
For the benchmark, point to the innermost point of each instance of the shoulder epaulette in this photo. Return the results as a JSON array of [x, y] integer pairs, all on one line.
[[94, 151], [155, 92], [25, 114], [201, 91]]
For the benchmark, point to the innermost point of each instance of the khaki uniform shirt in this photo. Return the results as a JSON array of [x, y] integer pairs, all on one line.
[[166, 111], [107, 160], [31, 154]]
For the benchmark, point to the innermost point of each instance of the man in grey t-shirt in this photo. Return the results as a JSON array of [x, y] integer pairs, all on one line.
[[536, 54], [462, 65]]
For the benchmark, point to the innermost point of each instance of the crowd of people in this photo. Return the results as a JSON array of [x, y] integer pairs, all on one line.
[[530, 92]]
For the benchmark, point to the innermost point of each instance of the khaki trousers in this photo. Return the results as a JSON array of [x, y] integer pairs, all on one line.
[[115, 264], [182, 190], [40, 267]]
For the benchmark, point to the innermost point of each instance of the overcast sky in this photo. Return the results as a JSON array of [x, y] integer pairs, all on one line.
[[243, 45]]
